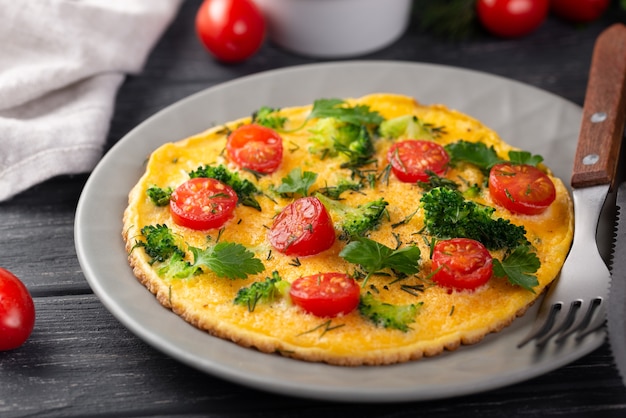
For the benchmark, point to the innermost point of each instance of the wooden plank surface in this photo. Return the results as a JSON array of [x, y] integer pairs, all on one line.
[[80, 361]]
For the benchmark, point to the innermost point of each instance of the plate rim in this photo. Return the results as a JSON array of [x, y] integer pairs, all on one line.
[[373, 394]]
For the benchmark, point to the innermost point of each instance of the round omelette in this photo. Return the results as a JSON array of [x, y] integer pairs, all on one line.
[[235, 276]]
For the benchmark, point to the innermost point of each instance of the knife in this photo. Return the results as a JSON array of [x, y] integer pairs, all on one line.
[[616, 311], [585, 279]]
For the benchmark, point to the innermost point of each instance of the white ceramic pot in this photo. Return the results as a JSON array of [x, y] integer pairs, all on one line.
[[335, 28]]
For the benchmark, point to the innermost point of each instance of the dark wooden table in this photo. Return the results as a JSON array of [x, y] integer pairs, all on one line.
[[80, 361]]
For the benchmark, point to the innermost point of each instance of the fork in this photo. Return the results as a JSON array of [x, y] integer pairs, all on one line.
[[575, 302]]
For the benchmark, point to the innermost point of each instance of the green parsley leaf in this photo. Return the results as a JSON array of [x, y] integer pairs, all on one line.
[[518, 267], [374, 257], [297, 181], [476, 153], [334, 108], [226, 259], [525, 157]]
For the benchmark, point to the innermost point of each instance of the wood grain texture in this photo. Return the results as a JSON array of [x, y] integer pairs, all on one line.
[[604, 112], [81, 362]]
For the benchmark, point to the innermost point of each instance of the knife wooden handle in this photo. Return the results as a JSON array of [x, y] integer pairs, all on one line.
[[604, 112]]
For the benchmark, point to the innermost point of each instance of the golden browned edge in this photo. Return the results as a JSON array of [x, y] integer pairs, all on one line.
[[265, 344]]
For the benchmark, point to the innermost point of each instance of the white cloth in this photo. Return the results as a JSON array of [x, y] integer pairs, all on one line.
[[61, 64]]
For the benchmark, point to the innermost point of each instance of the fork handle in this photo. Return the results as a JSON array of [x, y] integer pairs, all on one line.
[[604, 112]]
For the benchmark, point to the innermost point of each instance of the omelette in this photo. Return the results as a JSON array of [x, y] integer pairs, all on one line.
[[356, 231]]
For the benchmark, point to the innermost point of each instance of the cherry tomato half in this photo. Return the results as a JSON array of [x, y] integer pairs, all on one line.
[[304, 227], [461, 263], [579, 11], [17, 312], [202, 203], [521, 188], [326, 294], [232, 30], [512, 18], [256, 148], [411, 159]]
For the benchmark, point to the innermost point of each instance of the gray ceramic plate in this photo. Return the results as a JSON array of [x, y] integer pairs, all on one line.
[[524, 116]]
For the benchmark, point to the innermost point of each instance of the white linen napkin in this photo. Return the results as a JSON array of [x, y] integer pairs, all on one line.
[[61, 64]]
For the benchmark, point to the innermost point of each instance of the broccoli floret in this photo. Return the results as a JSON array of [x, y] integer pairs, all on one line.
[[387, 315], [332, 137], [268, 116], [266, 291], [160, 243], [244, 188], [448, 215], [159, 196], [408, 126], [355, 221]]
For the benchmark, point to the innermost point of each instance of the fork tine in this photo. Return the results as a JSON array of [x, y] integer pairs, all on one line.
[[562, 322], [543, 323], [592, 319]]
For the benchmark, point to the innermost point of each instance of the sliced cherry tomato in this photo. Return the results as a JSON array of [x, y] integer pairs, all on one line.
[[17, 312], [326, 294], [512, 18], [304, 227], [579, 11], [202, 203], [411, 159], [521, 188], [232, 30], [256, 148], [461, 263]]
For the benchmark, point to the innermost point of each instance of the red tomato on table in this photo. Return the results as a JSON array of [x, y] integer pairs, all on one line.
[[256, 148], [17, 312], [511, 18], [579, 11], [202, 203], [411, 159], [461, 263], [521, 188], [326, 294], [304, 227], [232, 30]]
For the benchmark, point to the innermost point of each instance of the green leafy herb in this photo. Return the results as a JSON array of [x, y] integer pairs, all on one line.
[[448, 215], [387, 315], [524, 157], [337, 109], [267, 291], [159, 196], [297, 182], [160, 243], [245, 189], [373, 257], [476, 153], [225, 259], [518, 267]]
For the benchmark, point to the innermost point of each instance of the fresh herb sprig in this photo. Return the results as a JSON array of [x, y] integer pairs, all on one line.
[[297, 182], [374, 257], [518, 267], [225, 259]]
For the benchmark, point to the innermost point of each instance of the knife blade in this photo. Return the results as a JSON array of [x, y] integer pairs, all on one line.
[[616, 311], [585, 278]]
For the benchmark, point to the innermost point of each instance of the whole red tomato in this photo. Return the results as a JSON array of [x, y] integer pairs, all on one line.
[[579, 11], [232, 30], [17, 312], [512, 18]]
